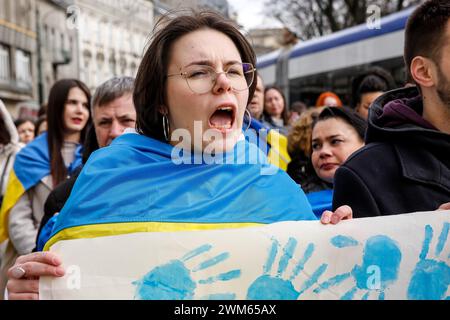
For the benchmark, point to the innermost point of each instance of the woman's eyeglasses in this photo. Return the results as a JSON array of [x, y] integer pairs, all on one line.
[[202, 78]]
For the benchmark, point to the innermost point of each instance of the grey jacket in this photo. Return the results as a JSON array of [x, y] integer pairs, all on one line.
[[26, 215]]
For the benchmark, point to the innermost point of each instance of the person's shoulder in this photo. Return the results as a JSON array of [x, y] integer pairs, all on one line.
[[128, 150], [370, 153]]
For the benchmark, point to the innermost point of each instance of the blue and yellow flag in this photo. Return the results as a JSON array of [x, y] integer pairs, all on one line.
[[320, 201], [31, 164], [134, 185], [273, 143]]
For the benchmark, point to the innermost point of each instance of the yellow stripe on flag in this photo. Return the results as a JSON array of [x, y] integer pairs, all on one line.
[[278, 154], [113, 229], [14, 191]]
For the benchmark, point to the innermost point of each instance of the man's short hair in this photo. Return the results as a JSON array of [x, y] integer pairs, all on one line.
[[425, 30], [112, 89]]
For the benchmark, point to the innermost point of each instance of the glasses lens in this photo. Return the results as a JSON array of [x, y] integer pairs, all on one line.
[[249, 73], [201, 79], [240, 76]]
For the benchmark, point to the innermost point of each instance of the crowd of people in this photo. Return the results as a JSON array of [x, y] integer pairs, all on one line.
[[384, 153]]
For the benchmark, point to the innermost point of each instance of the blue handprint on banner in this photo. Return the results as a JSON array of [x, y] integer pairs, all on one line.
[[381, 254], [173, 280], [431, 278], [277, 287]]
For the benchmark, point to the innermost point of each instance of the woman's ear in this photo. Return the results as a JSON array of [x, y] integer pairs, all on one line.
[[423, 71], [163, 110]]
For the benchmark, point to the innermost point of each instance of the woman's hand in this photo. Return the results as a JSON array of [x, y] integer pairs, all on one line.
[[23, 276], [341, 213]]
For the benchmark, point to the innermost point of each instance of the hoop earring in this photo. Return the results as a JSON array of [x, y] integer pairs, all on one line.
[[166, 128], [249, 119]]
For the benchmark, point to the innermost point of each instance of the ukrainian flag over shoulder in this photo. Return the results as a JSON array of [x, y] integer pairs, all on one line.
[[134, 186], [273, 143], [31, 164]]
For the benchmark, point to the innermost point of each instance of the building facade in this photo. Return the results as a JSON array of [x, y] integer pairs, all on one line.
[[57, 51], [112, 36], [42, 41], [18, 56], [265, 40], [163, 6]]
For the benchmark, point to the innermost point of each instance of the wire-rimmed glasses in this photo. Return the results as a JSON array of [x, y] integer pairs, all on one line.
[[201, 78]]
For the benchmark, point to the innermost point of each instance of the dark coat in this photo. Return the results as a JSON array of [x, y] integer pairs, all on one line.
[[404, 167], [56, 201]]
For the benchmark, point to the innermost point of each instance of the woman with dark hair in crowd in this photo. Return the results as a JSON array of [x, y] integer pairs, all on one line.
[[368, 86], [276, 115], [300, 168], [43, 164], [68, 117], [198, 68], [26, 129], [337, 133]]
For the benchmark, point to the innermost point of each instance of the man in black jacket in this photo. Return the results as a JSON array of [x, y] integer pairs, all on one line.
[[405, 165]]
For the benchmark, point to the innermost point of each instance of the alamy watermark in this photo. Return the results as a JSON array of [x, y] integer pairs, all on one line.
[[73, 281], [374, 279], [373, 20], [73, 17]]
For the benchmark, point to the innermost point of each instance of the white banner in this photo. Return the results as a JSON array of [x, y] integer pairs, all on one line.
[[392, 257]]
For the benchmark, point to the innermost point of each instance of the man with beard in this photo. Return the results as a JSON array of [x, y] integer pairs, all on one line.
[[405, 165]]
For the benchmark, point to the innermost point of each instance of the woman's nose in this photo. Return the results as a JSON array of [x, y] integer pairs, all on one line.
[[325, 151], [222, 83]]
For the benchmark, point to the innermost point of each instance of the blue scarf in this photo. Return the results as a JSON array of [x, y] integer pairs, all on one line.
[[32, 163]]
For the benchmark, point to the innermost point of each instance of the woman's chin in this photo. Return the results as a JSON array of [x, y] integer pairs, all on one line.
[[223, 144], [327, 178]]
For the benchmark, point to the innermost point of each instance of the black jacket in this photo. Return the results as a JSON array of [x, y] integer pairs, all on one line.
[[405, 165], [56, 201]]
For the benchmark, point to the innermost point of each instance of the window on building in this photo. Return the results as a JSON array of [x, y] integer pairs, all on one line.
[[98, 31], [23, 67], [53, 40], [45, 36], [112, 65], [5, 66], [63, 42], [133, 69]]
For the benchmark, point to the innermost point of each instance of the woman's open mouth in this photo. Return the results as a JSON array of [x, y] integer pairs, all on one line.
[[223, 118]]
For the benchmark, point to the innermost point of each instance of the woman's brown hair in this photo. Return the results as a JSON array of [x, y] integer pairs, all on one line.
[[55, 124], [150, 85]]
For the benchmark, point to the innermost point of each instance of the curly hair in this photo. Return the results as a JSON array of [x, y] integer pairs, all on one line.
[[299, 138]]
